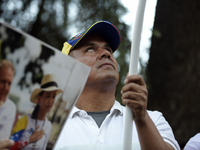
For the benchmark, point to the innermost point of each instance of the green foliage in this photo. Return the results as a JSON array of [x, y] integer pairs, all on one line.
[[44, 19]]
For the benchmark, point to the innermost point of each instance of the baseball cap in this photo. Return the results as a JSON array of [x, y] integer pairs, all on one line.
[[104, 28]]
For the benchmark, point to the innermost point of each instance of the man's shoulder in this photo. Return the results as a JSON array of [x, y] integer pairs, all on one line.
[[154, 115], [154, 112], [9, 103]]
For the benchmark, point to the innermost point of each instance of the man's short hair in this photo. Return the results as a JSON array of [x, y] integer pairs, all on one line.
[[4, 63]]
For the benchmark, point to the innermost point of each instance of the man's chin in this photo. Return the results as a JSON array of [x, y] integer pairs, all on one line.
[[113, 78], [2, 99]]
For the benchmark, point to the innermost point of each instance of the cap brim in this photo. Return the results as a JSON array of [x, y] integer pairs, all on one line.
[[107, 30]]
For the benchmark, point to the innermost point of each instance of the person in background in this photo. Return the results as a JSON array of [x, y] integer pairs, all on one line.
[[97, 120], [33, 131], [193, 143], [7, 107]]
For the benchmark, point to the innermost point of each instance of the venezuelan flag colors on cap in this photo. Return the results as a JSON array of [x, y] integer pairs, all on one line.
[[104, 28]]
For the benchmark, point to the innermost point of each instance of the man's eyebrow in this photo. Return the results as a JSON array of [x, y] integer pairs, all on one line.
[[107, 45], [90, 44], [93, 44]]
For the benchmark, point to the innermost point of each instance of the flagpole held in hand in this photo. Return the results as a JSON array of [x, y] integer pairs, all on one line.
[[133, 69]]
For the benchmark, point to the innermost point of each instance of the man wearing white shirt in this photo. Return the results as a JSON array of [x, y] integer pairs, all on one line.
[[96, 122], [7, 107]]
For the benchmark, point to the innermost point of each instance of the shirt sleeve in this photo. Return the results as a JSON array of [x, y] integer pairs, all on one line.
[[7, 118], [193, 143], [164, 129]]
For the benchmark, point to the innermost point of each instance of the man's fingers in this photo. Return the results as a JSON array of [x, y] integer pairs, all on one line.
[[134, 96], [134, 87], [135, 78]]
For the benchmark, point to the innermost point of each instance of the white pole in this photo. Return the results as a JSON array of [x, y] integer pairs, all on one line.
[[133, 69]]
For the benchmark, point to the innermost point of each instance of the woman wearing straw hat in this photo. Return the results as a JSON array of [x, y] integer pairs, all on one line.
[[33, 131]]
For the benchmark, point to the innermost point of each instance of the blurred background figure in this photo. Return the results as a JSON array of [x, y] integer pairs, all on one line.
[[33, 131], [7, 107]]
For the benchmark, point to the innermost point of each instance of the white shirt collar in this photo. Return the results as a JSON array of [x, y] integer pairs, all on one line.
[[116, 107]]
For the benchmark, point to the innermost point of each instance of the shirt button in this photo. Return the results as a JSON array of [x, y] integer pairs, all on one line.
[[90, 122]]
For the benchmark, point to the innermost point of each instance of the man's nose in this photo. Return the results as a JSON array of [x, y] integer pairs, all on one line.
[[105, 53], [6, 86]]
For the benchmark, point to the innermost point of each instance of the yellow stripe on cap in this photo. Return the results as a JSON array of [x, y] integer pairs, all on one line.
[[66, 48]]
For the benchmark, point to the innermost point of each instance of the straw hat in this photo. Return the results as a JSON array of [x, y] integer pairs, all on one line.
[[48, 83]]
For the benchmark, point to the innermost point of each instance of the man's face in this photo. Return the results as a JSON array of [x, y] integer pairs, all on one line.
[[6, 77], [96, 53]]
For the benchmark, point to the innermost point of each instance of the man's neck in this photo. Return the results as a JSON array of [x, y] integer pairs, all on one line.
[[2, 101], [95, 100]]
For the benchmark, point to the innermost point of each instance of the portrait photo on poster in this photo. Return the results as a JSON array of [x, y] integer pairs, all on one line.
[[39, 85]]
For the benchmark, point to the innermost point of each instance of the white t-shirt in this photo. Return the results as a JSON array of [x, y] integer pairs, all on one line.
[[43, 125], [81, 132], [193, 143], [7, 118]]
